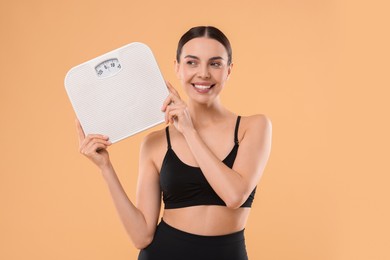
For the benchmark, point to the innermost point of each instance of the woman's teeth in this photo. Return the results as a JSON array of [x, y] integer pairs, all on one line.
[[202, 86]]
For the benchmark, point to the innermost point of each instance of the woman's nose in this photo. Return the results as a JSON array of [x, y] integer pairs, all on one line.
[[204, 72]]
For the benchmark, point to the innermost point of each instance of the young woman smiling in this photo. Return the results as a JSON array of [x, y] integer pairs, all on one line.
[[205, 165]]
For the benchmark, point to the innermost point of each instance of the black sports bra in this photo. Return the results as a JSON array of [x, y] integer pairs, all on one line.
[[183, 185]]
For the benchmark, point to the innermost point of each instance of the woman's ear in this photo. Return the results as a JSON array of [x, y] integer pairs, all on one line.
[[229, 70]]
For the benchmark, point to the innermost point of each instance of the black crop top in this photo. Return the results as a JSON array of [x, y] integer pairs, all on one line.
[[183, 185]]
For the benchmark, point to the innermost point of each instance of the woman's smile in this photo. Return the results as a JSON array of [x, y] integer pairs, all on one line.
[[202, 87]]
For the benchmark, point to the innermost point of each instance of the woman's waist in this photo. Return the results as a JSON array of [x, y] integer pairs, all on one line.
[[207, 220]]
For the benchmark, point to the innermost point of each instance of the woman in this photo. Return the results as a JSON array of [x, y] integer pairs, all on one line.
[[205, 164]]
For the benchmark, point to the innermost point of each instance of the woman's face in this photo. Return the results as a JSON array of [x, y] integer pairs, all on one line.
[[203, 69]]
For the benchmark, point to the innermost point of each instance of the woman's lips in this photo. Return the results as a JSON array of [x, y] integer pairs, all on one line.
[[202, 87]]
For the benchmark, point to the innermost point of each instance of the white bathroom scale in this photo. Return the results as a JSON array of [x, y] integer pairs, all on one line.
[[118, 94]]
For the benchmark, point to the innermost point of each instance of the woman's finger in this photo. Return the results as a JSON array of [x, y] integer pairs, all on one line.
[[170, 100], [167, 112], [81, 134], [97, 136], [172, 89], [80, 131], [173, 97], [166, 103], [173, 111], [91, 139], [172, 115], [92, 145], [94, 149]]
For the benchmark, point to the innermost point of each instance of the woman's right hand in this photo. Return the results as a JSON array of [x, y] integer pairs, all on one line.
[[94, 147]]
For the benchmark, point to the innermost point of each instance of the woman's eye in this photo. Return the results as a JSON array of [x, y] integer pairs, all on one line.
[[216, 64], [191, 63]]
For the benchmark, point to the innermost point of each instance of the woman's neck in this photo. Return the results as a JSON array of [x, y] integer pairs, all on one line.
[[206, 114]]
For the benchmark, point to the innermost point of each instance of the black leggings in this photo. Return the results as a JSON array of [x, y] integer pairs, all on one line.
[[170, 243]]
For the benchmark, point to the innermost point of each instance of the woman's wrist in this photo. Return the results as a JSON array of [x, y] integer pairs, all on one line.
[[107, 169], [189, 133]]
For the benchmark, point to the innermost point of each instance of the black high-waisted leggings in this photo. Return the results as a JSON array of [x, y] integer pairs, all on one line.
[[170, 243]]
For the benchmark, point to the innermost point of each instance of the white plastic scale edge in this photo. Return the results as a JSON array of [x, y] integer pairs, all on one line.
[[119, 93]]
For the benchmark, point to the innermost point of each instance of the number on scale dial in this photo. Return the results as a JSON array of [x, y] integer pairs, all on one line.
[[108, 68]]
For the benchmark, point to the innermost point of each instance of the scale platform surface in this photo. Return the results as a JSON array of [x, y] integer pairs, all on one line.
[[118, 94]]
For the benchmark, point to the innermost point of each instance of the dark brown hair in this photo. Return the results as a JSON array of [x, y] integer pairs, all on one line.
[[208, 32]]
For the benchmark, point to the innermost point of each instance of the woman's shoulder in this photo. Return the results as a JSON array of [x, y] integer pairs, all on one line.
[[254, 126], [154, 139], [256, 121]]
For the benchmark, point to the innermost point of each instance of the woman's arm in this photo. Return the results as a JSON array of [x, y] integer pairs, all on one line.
[[139, 221], [235, 185]]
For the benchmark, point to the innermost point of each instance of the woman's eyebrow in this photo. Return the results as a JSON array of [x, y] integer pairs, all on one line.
[[197, 58], [191, 57], [216, 58]]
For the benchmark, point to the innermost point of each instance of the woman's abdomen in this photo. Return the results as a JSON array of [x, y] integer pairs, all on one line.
[[207, 220]]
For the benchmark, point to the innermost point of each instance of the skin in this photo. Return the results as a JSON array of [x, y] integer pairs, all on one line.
[[202, 133]]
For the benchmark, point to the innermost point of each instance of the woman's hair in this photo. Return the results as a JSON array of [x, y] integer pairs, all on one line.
[[208, 32]]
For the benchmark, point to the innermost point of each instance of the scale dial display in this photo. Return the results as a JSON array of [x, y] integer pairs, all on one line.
[[108, 68]]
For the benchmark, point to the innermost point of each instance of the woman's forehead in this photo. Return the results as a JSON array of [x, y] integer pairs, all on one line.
[[204, 48]]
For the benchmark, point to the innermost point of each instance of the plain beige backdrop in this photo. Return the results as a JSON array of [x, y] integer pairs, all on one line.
[[318, 68]]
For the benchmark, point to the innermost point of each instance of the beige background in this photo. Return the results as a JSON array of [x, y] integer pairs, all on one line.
[[318, 69]]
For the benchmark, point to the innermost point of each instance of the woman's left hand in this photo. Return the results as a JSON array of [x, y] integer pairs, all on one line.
[[176, 111]]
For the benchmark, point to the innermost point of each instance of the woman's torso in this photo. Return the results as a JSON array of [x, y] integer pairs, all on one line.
[[204, 219]]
